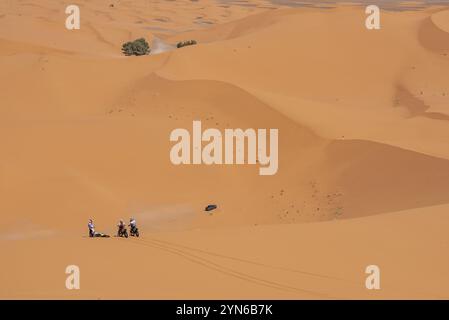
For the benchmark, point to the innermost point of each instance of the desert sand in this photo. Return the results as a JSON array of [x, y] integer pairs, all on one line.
[[363, 173]]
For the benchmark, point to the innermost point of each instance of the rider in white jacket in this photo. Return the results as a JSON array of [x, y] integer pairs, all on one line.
[[91, 227]]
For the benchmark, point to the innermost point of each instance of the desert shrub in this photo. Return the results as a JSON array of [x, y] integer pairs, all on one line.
[[137, 47], [186, 43]]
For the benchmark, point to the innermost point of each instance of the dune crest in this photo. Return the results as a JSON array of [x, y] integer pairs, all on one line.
[[434, 33]]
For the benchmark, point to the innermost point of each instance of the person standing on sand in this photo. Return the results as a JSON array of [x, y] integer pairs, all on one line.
[[91, 227], [92, 233]]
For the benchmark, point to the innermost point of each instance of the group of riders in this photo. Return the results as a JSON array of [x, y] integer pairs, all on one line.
[[121, 232]]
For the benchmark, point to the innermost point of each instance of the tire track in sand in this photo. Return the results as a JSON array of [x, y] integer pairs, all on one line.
[[318, 275], [225, 270]]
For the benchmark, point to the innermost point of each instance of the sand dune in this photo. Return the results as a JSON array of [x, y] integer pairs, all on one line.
[[363, 164], [377, 59], [434, 33]]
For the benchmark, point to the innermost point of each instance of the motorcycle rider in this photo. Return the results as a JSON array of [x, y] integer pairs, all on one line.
[[91, 227], [121, 227], [132, 223], [133, 227]]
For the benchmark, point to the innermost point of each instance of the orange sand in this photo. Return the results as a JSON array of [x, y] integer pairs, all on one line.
[[363, 153]]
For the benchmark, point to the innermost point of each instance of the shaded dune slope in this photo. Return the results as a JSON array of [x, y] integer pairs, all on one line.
[[434, 32]]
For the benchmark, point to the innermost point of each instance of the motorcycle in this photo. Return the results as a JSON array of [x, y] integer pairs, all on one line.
[[134, 231], [122, 232]]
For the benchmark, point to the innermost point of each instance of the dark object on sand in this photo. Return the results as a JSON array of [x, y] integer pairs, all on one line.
[[100, 235], [185, 43], [210, 207], [137, 47], [93, 234]]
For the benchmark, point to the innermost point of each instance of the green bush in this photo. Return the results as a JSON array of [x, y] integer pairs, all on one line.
[[137, 47], [186, 43]]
